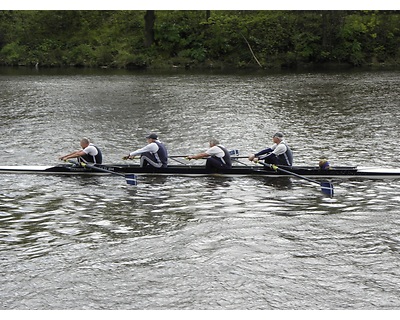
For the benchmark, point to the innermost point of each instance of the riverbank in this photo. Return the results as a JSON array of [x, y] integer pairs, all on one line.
[[204, 67]]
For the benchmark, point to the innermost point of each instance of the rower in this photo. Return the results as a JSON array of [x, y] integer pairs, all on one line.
[[89, 153], [217, 155], [153, 154], [279, 153]]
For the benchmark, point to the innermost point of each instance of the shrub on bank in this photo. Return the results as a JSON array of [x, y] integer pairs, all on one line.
[[191, 39]]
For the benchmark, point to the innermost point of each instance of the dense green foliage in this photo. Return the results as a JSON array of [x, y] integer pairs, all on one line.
[[198, 38]]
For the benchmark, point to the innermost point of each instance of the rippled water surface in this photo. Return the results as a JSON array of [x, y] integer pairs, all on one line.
[[207, 242]]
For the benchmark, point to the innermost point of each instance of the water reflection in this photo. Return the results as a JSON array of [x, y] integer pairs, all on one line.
[[281, 183]]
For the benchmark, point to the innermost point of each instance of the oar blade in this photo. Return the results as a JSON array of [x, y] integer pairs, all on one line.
[[131, 179], [234, 153], [327, 188]]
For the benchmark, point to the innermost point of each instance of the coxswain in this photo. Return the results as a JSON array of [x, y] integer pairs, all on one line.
[[324, 164]]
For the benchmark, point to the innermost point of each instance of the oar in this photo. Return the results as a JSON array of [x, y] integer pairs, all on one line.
[[178, 156], [232, 153], [235, 156], [240, 157], [326, 187], [173, 158], [130, 178], [238, 161]]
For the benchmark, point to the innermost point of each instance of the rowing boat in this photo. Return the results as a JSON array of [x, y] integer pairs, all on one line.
[[198, 170]]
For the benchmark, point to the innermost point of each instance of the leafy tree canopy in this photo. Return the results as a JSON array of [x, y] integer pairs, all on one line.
[[241, 39]]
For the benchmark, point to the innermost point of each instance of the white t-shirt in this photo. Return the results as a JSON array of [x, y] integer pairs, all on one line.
[[279, 149], [90, 150], [151, 147], [216, 152]]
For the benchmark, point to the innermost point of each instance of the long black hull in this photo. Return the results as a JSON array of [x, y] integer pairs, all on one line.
[[306, 171]]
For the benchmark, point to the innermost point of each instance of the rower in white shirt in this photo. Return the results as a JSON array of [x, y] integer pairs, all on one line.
[[217, 155], [154, 153]]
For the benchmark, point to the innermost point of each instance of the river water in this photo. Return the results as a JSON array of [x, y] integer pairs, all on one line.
[[206, 242]]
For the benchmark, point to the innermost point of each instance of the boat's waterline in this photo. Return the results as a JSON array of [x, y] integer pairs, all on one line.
[[310, 172]]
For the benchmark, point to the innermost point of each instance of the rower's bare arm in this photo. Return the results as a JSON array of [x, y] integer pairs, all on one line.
[[199, 156], [75, 154]]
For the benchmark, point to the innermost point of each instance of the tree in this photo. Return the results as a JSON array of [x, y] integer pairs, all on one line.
[[149, 19]]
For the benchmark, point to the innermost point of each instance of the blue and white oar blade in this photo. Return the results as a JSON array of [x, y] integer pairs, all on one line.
[[327, 188], [234, 153], [131, 179]]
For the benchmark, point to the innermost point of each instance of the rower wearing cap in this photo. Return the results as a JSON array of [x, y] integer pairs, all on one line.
[[279, 153], [154, 154]]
